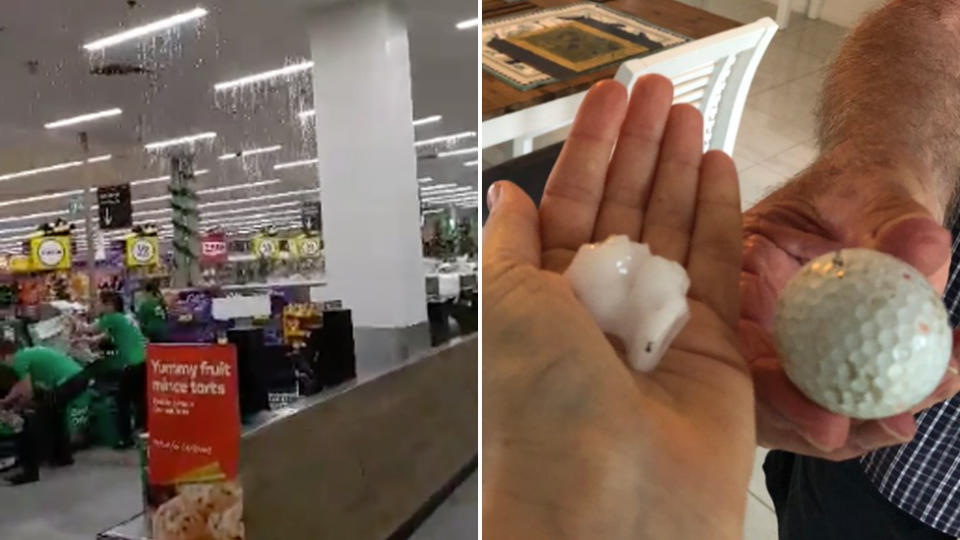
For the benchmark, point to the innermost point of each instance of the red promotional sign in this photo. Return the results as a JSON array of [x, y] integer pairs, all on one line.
[[194, 415], [213, 249], [193, 443]]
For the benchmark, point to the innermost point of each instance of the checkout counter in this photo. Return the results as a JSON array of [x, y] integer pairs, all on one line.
[[369, 459]]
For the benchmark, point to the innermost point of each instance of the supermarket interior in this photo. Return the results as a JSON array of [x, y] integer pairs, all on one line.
[[238, 269]]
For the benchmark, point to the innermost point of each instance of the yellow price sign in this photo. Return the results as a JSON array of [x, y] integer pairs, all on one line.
[[19, 264], [309, 247], [50, 253], [142, 251], [266, 247]]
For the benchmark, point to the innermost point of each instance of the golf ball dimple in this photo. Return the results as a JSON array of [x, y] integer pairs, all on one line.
[[862, 333]]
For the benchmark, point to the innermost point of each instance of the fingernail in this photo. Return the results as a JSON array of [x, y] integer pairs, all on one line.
[[893, 433], [819, 446], [953, 370], [493, 194]]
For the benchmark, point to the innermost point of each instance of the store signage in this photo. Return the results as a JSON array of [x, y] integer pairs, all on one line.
[[213, 249], [194, 440], [114, 207], [142, 251], [310, 216], [266, 247], [50, 253], [308, 246], [19, 264]]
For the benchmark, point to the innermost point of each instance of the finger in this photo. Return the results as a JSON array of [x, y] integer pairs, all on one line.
[[919, 241], [874, 434], [670, 212], [572, 195], [714, 260], [635, 159], [512, 231], [818, 426]]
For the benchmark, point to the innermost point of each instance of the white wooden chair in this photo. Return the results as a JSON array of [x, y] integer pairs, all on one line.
[[713, 73]]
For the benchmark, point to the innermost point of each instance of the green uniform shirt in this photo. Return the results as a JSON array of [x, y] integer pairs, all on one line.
[[47, 367], [131, 347], [152, 318]]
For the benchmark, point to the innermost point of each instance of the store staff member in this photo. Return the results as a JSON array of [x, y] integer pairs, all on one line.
[[152, 314], [49, 380], [131, 352]]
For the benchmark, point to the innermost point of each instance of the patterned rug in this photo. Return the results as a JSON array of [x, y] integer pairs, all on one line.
[[550, 45]]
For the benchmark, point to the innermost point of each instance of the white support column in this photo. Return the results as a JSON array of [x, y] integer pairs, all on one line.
[[783, 14], [814, 9], [368, 176]]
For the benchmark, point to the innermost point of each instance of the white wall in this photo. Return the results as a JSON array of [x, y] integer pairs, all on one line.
[[842, 12]]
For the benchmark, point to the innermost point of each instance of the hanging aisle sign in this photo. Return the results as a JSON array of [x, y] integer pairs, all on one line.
[[114, 207], [266, 247], [50, 253], [308, 247], [142, 251]]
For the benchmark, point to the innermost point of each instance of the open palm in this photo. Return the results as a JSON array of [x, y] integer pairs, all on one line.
[[574, 438]]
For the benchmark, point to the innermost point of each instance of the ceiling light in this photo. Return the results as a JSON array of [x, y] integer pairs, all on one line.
[[181, 140], [45, 197], [251, 152], [450, 139], [427, 120], [97, 159], [303, 115], [82, 118], [254, 208], [247, 217], [434, 211], [40, 170], [151, 199], [238, 186], [460, 152], [424, 180], [436, 187], [469, 23], [470, 163], [249, 79], [164, 178], [300, 163], [449, 190], [260, 198], [146, 29]]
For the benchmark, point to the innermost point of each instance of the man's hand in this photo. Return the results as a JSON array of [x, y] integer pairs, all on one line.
[[839, 202], [575, 443]]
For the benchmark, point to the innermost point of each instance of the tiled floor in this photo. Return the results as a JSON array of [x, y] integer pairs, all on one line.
[[777, 139], [103, 489]]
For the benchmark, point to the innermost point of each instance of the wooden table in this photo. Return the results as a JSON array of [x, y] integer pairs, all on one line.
[[500, 98]]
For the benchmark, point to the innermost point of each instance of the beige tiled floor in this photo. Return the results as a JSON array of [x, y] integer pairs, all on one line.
[[776, 140]]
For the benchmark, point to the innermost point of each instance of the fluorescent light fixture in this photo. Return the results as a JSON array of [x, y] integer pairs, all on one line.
[[257, 77], [470, 163], [97, 159], [235, 187], [45, 197], [180, 140], [460, 152], [255, 208], [83, 118], [167, 178], [141, 213], [450, 190], [244, 219], [270, 196], [251, 152], [40, 170], [300, 163], [469, 23], [446, 138], [146, 29], [434, 211], [427, 120], [436, 187], [303, 115], [151, 199], [424, 180]]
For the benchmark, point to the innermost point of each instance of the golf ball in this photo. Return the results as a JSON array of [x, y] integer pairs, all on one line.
[[862, 333]]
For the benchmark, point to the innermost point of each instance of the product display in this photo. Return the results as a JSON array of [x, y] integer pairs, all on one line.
[[637, 296], [862, 333]]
